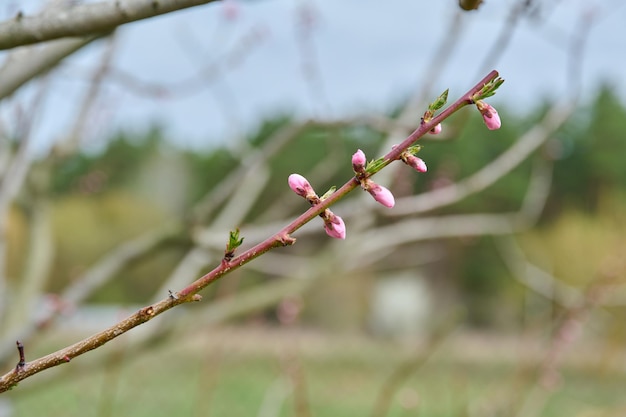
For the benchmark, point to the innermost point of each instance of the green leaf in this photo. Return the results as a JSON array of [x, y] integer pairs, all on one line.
[[234, 241], [439, 102], [328, 193]]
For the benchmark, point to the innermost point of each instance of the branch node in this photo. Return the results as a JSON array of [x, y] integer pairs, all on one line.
[[196, 297], [147, 311], [286, 240]]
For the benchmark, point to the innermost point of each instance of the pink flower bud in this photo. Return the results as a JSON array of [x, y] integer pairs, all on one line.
[[416, 163], [435, 130], [380, 194], [334, 226], [490, 115], [358, 162], [300, 185]]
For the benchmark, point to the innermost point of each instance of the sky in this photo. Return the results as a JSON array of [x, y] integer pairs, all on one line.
[[228, 65]]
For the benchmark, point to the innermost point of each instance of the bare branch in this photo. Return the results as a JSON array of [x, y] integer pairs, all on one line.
[[86, 19], [62, 356], [20, 69]]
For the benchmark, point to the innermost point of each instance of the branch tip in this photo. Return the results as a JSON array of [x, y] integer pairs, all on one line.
[[20, 349]]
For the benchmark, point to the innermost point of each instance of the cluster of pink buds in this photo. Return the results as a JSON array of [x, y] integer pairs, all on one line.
[[490, 115], [333, 224], [380, 193]]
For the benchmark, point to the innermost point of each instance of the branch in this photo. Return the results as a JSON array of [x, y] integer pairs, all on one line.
[[10, 379], [86, 19], [492, 172], [29, 64], [227, 265]]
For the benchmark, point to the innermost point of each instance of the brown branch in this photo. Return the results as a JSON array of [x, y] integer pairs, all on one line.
[[86, 19], [10, 379], [189, 293]]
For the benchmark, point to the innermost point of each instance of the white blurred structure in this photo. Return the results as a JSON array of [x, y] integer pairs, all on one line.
[[401, 306]]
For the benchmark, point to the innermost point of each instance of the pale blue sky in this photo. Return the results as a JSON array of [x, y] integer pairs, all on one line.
[[363, 56]]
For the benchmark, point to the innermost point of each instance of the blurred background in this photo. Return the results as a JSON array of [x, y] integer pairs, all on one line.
[[494, 287]]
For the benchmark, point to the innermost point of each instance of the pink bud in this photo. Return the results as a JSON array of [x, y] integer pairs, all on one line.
[[334, 226], [300, 185], [358, 162], [380, 194], [435, 130], [416, 163], [490, 115]]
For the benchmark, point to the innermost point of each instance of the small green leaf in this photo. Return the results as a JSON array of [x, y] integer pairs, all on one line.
[[439, 102], [375, 165], [488, 89], [234, 241], [328, 193], [413, 150]]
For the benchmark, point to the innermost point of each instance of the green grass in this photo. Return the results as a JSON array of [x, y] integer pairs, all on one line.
[[336, 380]]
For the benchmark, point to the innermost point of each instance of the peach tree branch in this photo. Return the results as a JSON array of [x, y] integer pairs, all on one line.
[[484, 88]]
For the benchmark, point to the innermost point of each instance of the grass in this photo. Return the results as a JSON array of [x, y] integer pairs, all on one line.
[[249, 373]]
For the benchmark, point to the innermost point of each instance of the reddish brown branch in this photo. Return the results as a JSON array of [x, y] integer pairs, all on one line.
[[189, 293], [26, 369]]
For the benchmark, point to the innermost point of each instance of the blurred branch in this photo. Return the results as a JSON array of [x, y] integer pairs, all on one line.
[[542, 282], [82, 119], [293, 368], [84, 19], [500, 46], [251, 159], [412, 230], [13, 178], [568, 331], [28, 63], [407, 368], [40, 254], [274, 398], [194, 84]]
